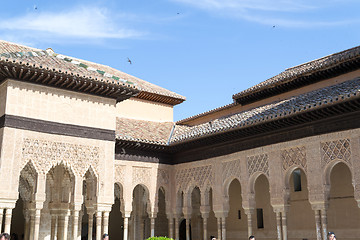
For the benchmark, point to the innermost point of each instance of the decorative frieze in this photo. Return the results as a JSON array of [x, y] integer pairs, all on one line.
[[336, 150], [141, 175], [45, 154], [163, 177], [119, 173], [197, 175], [258, 163], [294, 157], [231, 169]]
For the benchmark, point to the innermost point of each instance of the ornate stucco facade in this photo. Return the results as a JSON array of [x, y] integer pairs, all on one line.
[[86, 149]]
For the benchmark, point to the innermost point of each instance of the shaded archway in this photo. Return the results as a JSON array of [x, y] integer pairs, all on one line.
[[60, 181], [196, 220], [264, 221], [20, 222], [161, 222], [236, 222], [139, 215], [90, 190], [300, 216], [343, 213], [116, 220]]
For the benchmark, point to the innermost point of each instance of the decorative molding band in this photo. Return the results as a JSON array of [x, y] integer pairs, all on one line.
[[43, 126]]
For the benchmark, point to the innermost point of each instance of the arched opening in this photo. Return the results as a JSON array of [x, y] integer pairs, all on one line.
[[300, 217], [264, 225], [343, 213], [196, 220], [212, 221], [20, 222], [88, 226], [116, 221], [236, 222], [59, 191], [139, 215], [161, 222], [182, 232]]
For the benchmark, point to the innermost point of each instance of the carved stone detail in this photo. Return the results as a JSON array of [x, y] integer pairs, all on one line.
[[258, 163], [119, 173], [197, 175], [294, 157], [141, 175], [231, 169], [46, 154], [163, 177], [336, 150]]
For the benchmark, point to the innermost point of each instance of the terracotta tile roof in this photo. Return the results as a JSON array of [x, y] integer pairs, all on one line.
[[305, 69], [143, 131], [61, 63], [319, 98]]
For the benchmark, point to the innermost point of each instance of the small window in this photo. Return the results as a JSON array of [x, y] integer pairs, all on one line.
[[239, 214], [297, 180], [260, 218]]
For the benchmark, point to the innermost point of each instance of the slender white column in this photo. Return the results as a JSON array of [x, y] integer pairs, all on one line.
[[53, 226], [205, 228], [98, 225], [1, 218], [219, 228], [90, 225], [65, 227], [27, 226], [249, 213], [171, 227], [60, 227], [318, 225], [126, 228], [278, 225], [324, 223], [152, 226], [75, 226], [105, 222], [187, 220], [8, 215], [284, 224], [37, 224], [223, 228], [177, 234]]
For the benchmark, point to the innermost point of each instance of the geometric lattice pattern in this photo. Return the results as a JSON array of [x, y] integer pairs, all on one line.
[[197, 175], [163, 177], [142, 175], [46, 154], [293, 157], [258, 163], [119, 173], [231, 169], [336, 150]]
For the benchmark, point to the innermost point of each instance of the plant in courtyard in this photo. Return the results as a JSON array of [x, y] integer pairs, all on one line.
[[159, 238]]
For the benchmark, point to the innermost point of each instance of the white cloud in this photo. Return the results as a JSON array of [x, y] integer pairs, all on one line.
[[81, 23], [287, 13]]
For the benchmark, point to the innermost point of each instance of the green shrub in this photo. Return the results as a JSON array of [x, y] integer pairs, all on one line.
[[159, 238]]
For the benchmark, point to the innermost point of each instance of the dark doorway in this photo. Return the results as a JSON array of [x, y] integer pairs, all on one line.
[[17, 220], [182, 232]]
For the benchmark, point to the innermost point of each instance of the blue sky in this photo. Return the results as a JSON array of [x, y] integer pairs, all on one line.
[[206, 50]]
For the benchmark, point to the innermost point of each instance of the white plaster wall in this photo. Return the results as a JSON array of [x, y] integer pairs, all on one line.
[[57, 105], [144, 110]]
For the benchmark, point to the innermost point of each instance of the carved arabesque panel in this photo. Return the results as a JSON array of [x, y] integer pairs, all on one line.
[[119, 173], [258, 163], [141, 175], [197, 175], [336, 150], [46, 154], [294, 157], [163, 177], [231, 169]]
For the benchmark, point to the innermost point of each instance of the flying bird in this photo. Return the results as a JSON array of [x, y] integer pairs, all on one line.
[[274, 26], [129, 61], [35, 7]]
